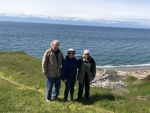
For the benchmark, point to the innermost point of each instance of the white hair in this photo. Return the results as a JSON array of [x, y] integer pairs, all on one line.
[[86, 51], [55, 41]]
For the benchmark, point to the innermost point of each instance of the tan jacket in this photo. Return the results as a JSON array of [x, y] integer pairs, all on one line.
[[50, 65]]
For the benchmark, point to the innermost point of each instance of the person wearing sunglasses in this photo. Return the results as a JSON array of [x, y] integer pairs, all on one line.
[[86, 73], [69, 71]]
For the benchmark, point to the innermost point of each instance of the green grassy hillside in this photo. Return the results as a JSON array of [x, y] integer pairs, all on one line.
[[22, 89]]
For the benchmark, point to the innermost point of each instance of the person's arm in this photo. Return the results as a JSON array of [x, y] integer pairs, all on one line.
[[79, 63], [93, 68], [45, 63], [64, 71]]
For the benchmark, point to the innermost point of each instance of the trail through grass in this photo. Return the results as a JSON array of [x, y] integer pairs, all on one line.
[[22, 89], [18, 84]]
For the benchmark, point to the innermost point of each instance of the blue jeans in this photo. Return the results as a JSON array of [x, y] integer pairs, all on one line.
[[49, 86]]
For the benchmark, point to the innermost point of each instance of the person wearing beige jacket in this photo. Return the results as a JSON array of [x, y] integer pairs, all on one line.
[[51, 67]]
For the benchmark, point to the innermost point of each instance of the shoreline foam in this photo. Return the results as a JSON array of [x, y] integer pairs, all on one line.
[[126, 67]]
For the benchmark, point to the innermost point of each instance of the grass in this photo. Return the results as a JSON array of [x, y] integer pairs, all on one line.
[[22, 89], [18, 99], [147, 78], [22, 68], [130, 79]]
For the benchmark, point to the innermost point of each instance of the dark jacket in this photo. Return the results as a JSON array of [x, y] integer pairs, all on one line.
[[69, 68], [86, 68]]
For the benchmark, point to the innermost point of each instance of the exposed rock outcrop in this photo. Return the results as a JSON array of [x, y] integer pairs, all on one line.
[[113, 78]]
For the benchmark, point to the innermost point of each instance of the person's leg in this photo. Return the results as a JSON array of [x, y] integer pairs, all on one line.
[[80, 90], [49, 86], [56, 88], [67, 88], [72, 88], [87, 88]]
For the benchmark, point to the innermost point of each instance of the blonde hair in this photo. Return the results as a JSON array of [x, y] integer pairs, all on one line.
[[55, 41]]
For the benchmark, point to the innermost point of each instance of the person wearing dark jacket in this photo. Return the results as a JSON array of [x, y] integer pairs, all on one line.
[[86, 73], [69, 71]]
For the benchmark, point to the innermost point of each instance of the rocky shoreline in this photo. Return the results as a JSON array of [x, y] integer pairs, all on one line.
[[112, 77]]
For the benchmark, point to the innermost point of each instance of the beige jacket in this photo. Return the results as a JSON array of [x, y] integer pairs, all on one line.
[[50, 65]]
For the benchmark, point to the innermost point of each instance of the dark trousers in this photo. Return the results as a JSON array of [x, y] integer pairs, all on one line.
[[87, 89], [69, 87]]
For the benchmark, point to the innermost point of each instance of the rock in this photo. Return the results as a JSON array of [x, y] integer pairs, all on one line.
[[109, 78], [113, 78]]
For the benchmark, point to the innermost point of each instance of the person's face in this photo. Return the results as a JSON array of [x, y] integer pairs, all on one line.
[[86, 55], [55, 46], [71, 55]]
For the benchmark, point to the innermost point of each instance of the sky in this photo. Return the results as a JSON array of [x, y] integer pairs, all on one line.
[[100, 12]]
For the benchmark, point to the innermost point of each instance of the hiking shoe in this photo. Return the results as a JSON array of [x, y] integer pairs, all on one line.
[[65, 100], [87, 99], [47, 100], [77, 99]]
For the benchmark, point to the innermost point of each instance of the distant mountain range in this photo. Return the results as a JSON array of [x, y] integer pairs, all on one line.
[[74, 21]]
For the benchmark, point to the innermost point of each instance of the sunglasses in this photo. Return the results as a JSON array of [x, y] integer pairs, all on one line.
[[71, 53], [86, 54]]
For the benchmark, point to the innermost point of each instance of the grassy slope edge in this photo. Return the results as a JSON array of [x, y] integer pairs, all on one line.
[[23, 79], [20, 81]]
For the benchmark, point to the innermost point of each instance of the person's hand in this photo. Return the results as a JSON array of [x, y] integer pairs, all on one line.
[[65, 80], [46, 75]]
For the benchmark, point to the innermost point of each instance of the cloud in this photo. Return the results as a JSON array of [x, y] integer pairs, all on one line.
[[98, 11], [96, 21], [106, 9]]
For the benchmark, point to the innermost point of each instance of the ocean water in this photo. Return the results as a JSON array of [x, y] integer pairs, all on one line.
[[108, 46]]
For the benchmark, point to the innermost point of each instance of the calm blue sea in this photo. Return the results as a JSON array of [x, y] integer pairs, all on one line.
[[108, 46]]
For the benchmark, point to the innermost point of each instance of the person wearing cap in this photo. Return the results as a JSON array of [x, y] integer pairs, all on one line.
[[51, 67], [86, 73], [69, 71]]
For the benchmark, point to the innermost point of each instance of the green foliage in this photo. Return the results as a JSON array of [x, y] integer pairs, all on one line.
[[22, 89], [18, 99], [22, 68], [130, 79], [142, 89], [147, 78], [15, 99]]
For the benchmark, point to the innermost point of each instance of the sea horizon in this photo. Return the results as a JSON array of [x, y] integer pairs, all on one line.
[[109, 46]]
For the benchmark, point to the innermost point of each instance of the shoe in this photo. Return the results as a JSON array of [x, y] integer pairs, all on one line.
[[65, 100], [58, 98], [87, 99], [53, 98], [77, 99], [47, 100], [71, 98]]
